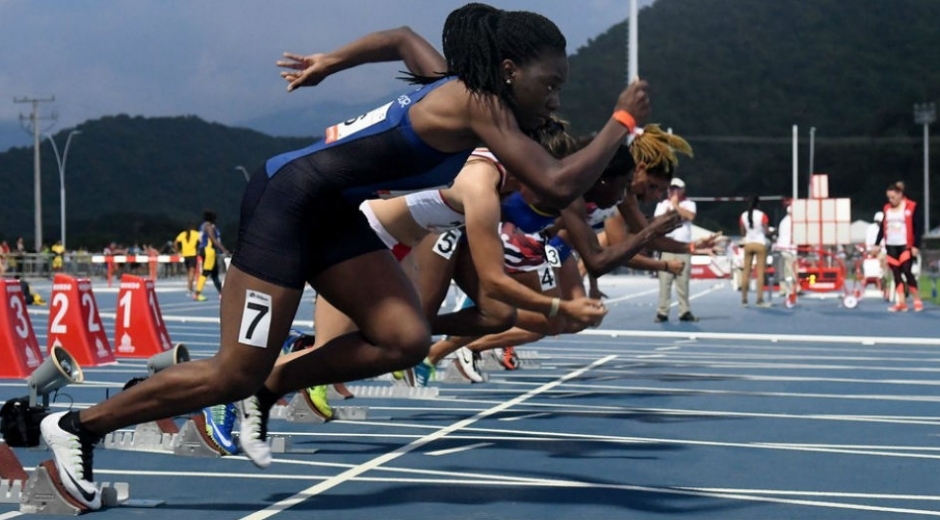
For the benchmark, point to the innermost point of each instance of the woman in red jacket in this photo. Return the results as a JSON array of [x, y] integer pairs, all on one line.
[[901, 231]]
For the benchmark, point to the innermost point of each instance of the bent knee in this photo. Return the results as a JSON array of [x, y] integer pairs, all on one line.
[[408, 344]]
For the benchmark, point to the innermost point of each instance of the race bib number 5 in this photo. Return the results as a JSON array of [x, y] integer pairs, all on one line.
[[256, 319], [447, 243]]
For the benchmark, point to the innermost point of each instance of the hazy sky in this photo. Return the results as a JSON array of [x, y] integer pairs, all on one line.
[[215, 58]]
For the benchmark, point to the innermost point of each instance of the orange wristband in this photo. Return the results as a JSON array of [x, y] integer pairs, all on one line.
[[624, 118]]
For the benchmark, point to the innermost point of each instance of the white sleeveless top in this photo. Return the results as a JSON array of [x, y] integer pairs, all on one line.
[[756, 234], [430, 211], [896, 226]]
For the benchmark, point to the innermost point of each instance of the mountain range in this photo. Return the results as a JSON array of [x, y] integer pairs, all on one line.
[[730, 76]]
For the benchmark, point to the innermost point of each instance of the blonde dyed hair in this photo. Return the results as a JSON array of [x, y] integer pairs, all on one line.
[[554, 137], [659, 151]]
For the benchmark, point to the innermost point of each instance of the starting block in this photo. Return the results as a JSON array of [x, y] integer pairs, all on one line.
[[452, 374], [491, 361], [165, 437], [158, 436], [297, 410], [43, 493]]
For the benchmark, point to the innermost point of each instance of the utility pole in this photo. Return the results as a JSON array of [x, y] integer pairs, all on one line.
[[34, 119], [925, 114]]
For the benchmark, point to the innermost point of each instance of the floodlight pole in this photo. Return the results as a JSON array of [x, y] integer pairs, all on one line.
[[61, 162], [925, 114], [633, 51], [796, 161], [812, 159]]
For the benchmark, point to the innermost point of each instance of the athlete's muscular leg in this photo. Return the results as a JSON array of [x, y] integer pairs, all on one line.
[[393, 334], [530, 326], [235, 372], [488, 315]]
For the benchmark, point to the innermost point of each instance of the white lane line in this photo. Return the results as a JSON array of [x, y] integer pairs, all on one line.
[[768, 496], [668, 348], [589, 389], [743, 494], [526, 416], [350, 474], [458, 449], [802, 338], [700, 294], [631, 296], [867, 449], [11, 514]]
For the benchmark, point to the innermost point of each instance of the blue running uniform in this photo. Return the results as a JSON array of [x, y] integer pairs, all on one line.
[[300, 212]]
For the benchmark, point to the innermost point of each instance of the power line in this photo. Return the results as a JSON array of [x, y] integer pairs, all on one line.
[[845, 140]]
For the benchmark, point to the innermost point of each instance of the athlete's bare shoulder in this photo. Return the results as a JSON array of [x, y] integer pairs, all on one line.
[[444, 119]]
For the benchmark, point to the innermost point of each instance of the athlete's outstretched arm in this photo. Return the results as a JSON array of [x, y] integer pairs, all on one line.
[[632, 219], [556, 182], [481, 207], [600, 260], [401, 44]]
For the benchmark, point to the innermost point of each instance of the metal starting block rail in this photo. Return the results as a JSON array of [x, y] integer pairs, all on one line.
[[297, 410], [388, 392], [190, 440], [165, 437], [491, 362]]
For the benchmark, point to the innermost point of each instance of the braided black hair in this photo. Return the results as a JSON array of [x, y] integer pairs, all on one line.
[[752, 204], [478, 37]]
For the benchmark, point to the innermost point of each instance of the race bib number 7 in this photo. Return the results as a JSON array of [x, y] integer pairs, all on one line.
[[256, 319]]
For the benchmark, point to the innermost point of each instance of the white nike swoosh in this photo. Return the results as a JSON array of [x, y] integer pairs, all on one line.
[[220, 438]]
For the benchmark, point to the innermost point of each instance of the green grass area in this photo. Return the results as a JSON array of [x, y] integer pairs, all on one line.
[[926, 285]]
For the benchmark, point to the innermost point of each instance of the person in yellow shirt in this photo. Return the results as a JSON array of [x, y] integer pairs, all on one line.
[[210, 245], [58, 256], [186, 244]]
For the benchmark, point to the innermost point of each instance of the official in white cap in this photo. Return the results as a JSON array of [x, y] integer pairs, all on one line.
[[676, 201]]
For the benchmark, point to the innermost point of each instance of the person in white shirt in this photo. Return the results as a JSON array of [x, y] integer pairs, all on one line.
[[871, 234], [753, 225], [676, 201], [788, 251]]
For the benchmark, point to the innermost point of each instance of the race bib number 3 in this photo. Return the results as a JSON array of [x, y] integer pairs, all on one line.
[[347, 128], [256, 319], [551, 254], [547, 278], [447, 243]]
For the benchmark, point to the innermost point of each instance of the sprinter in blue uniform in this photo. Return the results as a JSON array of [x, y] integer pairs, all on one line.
[[498, 81]]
